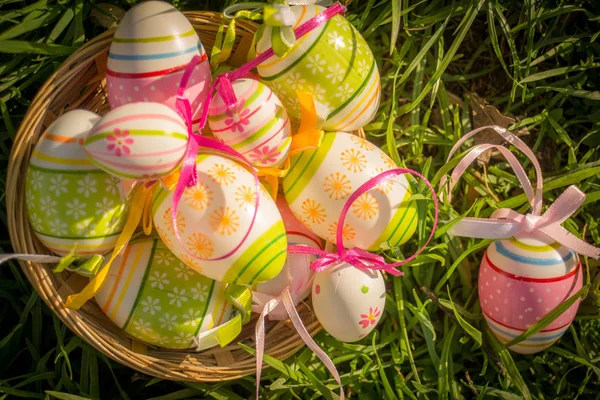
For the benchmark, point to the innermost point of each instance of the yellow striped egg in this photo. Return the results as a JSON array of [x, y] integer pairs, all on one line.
[[520, 281], [149, 53], [258, 127], [138, 141], [320, 181], [157, 299], [72, 205], [213, 217], [333, 62]]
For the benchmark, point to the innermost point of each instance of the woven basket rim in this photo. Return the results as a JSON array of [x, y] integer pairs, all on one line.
[[212, 365]]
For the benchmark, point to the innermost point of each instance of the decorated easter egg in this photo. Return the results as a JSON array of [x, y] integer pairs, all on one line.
[[320, 181], [296, 273], [333, 62], [214, 216], [72, 206], [157, 299], [258, 127], [150, 51], [348, 301], [523, 279], [138, 141]]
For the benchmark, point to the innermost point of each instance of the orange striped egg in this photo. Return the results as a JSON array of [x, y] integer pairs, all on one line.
[[520, 281], [320, 181], [333, 63], [157, 299], [149, 53], [213, 217], [138, 141], [72, 205], [258, 127]]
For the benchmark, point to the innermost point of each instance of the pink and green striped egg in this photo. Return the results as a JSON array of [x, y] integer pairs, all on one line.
[[72, 205], [258, 126], [139, 141]]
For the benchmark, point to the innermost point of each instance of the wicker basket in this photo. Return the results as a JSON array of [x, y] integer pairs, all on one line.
[[80, 83]]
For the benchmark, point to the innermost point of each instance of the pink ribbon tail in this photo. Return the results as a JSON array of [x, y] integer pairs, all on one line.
[[260, 339], [301, 329]]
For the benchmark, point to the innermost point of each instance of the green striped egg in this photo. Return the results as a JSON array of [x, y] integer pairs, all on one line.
[[320, 181], [258, 127], [157, 299], [138, 141], [72, 205], [333, 62], [214, 215]]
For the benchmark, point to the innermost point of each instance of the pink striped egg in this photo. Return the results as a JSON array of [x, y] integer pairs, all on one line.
[[523, 279], [258, 127], [138, 141], [151, 48]]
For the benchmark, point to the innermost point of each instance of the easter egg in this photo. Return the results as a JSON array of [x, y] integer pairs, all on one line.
[[138, 141], [214, 216], [333, 63], [150, 51], [296, 273], [157, 299], [258, 127], [348, 301], [72, 205], [523, 279], [320, 181]]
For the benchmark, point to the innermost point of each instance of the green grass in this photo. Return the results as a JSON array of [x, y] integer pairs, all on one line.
[[536, 61]]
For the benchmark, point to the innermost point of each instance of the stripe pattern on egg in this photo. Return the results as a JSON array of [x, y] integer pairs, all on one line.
[[213, 217], [334, 63], [319, 183], [72, 206], [138, 141], [258, 127], [157, 299], [149, 53], [520, 281]]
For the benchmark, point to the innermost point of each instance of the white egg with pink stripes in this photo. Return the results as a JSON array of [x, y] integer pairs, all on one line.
[[140, 141], [257, 126]]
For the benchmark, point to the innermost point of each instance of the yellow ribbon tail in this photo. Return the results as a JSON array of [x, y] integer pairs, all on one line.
[[271, 175], [136, 209], [309, 135]]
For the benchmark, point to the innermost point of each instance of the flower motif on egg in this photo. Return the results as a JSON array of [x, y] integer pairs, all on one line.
[[369, 319], [222, 175], [119, 141], [225, 221], [365, 207], [264, 155], [198, 196], [238, 117], [353, 160], [313, 211], [200, 245], [337, 186]]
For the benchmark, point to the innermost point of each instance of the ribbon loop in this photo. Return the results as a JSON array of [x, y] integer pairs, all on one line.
[[506, 223]]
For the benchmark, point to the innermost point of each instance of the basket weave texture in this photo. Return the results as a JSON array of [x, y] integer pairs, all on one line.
[[80, 83]]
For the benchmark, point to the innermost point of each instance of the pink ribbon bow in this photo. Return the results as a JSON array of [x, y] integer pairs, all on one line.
[[506, 223], [360, 258], [188, 175]]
